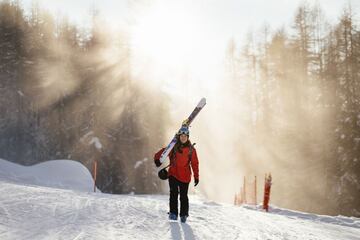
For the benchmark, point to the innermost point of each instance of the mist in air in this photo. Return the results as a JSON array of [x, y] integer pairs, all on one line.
[[282, 101]]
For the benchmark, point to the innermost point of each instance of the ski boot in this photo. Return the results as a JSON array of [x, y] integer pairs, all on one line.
[[172, 216], [183, 219]]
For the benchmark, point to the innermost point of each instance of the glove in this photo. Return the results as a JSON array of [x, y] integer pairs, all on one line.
[[196, 182], [157, 162]]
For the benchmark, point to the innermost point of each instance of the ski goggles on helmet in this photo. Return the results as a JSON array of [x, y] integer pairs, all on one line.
[[184, 130]]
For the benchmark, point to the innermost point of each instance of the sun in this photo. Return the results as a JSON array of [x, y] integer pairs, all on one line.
[[174, 46], [166, 35]]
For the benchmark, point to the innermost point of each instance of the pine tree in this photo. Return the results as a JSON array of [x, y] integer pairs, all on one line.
[[347, 131]]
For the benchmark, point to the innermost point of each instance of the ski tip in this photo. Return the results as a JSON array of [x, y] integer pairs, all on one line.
[[202, 102]]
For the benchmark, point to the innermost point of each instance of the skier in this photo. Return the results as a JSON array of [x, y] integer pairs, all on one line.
[[182, 156]]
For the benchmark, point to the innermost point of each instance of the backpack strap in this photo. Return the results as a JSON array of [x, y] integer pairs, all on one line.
[[191, 147], [172, 155]]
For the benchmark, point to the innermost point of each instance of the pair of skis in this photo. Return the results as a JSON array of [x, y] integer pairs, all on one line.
[[185, 123]]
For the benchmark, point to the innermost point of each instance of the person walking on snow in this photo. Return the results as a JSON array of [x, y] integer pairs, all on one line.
[[183, 158]]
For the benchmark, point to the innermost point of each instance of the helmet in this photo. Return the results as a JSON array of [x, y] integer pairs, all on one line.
[[184, 130], [163, 174]]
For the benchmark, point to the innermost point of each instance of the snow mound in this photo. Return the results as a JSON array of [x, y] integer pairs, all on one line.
[[65, 174]]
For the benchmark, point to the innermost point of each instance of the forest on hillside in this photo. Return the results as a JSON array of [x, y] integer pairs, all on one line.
[[301, 86], [68, 93]]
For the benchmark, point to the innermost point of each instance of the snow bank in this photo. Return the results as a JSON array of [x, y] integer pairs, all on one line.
[[65, 174]]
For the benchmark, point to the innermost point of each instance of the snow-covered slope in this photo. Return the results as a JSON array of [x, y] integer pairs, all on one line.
[[29, 212], [66, 174], [38, 212]]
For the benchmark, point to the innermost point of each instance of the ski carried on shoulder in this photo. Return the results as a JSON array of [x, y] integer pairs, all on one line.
[[185, 123]]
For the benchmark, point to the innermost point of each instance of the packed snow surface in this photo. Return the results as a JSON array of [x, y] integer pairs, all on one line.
[[28, 211]]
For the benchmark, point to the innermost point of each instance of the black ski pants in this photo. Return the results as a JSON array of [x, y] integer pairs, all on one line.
[[177, 187]]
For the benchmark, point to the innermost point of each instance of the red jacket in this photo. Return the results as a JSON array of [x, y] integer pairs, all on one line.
[[179, 164]]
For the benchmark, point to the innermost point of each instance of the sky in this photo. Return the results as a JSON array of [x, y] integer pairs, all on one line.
[[227, 15]]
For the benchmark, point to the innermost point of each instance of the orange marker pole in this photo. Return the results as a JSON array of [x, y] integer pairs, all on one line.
[[95, 171], [255, 193], [244, 199], [267, 188]]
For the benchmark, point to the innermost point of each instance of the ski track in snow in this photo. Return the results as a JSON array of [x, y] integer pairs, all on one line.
[[32, 212]]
